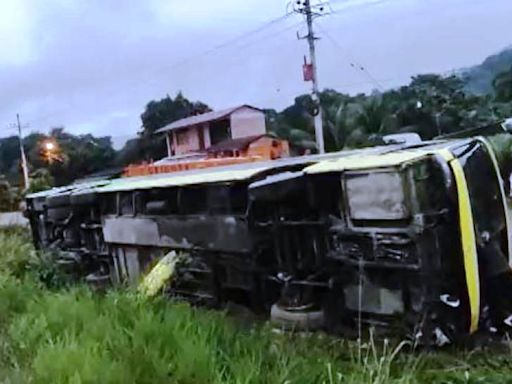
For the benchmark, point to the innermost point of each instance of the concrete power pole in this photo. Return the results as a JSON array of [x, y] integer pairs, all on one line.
[[319, 132], [24, 165]]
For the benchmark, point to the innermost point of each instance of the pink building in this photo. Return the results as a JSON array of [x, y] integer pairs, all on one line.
[[197, 133]]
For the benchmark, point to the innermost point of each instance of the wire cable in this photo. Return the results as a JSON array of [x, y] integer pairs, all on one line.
[[228, 43], [353, 63]]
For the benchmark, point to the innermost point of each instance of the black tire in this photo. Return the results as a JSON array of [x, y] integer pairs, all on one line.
[[296, 320], [98, 281]]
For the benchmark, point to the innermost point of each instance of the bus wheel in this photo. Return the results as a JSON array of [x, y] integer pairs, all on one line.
[[290, 320]]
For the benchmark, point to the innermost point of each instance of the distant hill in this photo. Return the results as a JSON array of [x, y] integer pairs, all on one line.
[[479, 78]]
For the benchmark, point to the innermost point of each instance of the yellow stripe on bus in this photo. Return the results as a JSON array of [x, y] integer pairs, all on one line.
[[467, 232]]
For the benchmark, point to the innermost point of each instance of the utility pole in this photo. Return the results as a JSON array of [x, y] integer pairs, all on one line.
[[305, 8], [24, 165]]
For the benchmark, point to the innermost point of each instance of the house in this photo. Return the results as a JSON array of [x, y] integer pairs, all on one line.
[[231, 136], [197, 133]]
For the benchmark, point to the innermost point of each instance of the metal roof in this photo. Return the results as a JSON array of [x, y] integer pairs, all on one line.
[[238, 172], [68, 189], [329, 162], [174, 180], [203, 118], [365, 162], [381, 159]]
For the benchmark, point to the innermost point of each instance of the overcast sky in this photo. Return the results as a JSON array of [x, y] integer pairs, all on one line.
[[92, 65]]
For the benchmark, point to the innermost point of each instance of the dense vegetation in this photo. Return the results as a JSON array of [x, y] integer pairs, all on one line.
[[51, 332], [479, 79], [430, 105]]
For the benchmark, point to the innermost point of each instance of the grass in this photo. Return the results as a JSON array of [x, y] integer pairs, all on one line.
[[72, 335]]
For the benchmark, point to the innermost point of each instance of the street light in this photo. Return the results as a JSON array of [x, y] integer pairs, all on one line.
[[51, 151], [49, 146]]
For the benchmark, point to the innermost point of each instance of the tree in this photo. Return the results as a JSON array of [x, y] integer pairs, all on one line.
[[131, 152], [10, 158], [431, 105], [502, 146], [79, 155], [502, 85], [156, 115], [296, 124], [343, 126], [8, 198], [40, 180]]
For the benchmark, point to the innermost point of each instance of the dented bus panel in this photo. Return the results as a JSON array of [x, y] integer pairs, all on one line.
[[408, 238]]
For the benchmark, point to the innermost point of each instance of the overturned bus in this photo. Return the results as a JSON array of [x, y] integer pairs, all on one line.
[[411, 238]]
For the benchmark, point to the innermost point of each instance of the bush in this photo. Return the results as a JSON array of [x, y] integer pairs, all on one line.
[[40, 180], [9, 196], [17, 253]]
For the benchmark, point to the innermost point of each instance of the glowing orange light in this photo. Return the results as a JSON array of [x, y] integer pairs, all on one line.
[[50, 151], [49, 146]]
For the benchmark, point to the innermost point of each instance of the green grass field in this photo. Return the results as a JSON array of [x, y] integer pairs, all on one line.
[[72, 335]]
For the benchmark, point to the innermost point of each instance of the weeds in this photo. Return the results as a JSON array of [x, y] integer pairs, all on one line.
[[76, 336], [16, 252]]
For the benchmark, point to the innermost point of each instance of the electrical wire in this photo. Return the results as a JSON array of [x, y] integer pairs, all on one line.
[[353, 63], [436, 9], [249, 33], [231, 59], [261, 38], [353, 6], [233, 42], [228, 43]]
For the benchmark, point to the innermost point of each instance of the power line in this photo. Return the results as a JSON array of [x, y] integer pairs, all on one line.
[[354, 5], [237, 40], [228, 43], [10, 128], [334, 86], [231, 59], [231, 42], [261, 38], [353, 63], [249, 33], [437, 9]]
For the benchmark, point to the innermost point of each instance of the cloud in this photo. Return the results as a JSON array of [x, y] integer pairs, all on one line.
[[93, 65], [15, 32]]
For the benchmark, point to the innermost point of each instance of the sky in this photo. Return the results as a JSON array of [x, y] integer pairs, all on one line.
[[92, 66]]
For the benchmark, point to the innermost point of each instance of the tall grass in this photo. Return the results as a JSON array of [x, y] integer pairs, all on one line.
[[76, 336]]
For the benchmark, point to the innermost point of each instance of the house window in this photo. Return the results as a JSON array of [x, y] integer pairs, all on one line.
[[182, 137]]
